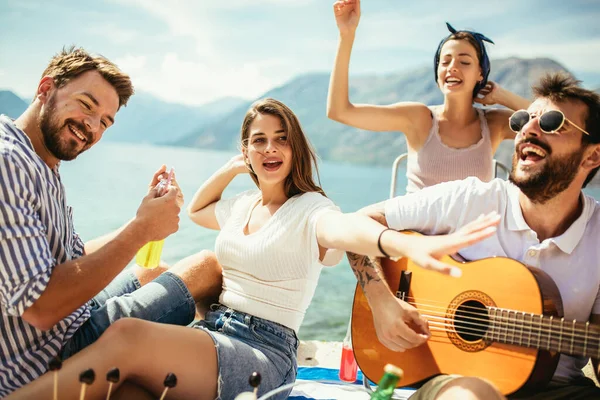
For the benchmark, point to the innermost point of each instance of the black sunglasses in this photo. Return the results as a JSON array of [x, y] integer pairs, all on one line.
[[550, 121]]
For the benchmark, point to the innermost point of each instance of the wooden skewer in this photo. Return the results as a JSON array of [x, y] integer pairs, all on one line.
[[54, 365], [87, 377], [170, 382], [113, 376]]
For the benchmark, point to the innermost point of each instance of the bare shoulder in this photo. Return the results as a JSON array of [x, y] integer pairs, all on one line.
[[421, 121]]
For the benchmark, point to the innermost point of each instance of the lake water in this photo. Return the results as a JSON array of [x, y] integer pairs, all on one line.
[[106, 185]]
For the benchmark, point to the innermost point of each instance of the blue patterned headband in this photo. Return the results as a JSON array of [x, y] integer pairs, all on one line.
[[484, 61]]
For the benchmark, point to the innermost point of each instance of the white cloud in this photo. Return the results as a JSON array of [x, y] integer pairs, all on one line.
[[197, 82], [214, 69], [114, 33], [131, 64]]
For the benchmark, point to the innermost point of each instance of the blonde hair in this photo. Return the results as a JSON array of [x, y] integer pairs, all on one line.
[[304, 158], [70, 63]]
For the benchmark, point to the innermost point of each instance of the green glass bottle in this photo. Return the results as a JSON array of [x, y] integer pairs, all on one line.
[[388, 382]]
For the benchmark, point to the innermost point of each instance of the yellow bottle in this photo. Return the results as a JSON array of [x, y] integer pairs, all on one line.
[[149, 255]]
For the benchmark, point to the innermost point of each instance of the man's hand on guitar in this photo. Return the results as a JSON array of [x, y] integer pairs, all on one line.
[[426, 251], [399, 325]]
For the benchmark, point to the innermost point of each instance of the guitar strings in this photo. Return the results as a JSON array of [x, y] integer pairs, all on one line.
[[575, 336], [568, 334], [497, 326], [501, 318]]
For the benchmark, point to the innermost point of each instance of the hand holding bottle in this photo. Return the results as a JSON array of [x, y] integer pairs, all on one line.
[[159, 215]]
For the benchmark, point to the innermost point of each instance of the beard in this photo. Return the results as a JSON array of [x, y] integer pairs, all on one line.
[[555, 176], [65, 149]]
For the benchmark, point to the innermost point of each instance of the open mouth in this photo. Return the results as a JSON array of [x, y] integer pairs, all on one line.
[[272, 165], [529, 154], [77, 133], [452, 81]]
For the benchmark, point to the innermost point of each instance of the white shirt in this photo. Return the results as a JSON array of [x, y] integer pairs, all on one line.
[[572, 259], [273, 272]]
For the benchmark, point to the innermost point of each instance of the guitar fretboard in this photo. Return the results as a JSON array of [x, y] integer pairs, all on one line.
[[543, 332]]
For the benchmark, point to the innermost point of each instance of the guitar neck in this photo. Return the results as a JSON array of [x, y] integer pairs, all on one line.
[[543, 332]]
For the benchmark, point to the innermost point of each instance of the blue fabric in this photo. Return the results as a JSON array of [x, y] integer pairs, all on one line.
[[166, 299], [245, 344], [484, 61], [327, 374]]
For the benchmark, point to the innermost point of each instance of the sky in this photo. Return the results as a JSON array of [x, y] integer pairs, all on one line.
[[196, 51]]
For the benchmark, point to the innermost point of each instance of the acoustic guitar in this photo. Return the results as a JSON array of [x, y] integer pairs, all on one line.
[[501, 321]]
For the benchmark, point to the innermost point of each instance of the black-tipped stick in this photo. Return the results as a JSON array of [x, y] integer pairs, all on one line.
[[254, 381], [87, 377], [113, 376], [54, 365], [170, 382]]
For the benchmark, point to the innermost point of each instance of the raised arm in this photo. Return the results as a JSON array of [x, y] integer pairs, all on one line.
[[201, 209], [403, 117], [492, 94]]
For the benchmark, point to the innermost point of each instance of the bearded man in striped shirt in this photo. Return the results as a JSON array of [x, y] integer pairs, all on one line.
[[57, 294]]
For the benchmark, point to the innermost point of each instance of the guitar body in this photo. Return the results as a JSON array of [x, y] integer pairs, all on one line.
[[494, 282]]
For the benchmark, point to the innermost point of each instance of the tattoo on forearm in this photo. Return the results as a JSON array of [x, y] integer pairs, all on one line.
[[366, 269]]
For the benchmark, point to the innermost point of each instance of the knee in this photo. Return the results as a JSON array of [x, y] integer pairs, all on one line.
[[469, 388], [208, 259], [124, 332], [205, 266], [201, 273]]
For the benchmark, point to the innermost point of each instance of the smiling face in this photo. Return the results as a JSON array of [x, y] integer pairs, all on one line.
[[544, 165], [458, 70], [268, 152], [74, 116]]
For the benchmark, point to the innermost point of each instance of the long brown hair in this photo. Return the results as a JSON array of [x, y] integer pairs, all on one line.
[[304, 159]]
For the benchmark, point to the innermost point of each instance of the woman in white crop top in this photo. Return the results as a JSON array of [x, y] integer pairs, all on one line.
[[272, 245], [461, 67]]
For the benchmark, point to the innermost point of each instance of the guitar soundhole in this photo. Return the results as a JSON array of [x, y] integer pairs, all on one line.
[[471, 321]]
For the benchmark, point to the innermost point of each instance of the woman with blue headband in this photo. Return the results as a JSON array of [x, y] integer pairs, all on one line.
[[447, 142]]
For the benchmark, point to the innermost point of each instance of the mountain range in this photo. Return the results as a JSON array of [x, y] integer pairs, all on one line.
[[216, 125], [146, 119]]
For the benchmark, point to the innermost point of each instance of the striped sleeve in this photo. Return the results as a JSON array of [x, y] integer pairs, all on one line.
[[25, 258]]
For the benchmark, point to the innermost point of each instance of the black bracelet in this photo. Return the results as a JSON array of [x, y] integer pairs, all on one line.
[[379, 243]]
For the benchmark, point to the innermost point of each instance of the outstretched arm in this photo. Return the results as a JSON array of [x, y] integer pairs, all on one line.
[[395, 117], [392, 316]]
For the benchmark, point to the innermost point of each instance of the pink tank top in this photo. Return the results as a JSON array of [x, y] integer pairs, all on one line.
[[436, 162]]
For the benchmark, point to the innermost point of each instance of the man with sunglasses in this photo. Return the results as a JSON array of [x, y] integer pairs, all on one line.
[[546, 222]]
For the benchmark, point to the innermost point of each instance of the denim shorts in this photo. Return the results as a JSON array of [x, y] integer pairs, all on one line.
[[247, 344], [166, 299]]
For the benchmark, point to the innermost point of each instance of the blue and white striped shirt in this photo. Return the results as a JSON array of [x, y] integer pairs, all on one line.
[[36, 234]]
